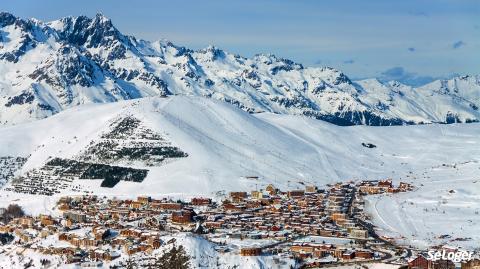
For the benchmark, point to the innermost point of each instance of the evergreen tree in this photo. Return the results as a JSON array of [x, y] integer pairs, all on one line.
[[175, 258], [130, 264]]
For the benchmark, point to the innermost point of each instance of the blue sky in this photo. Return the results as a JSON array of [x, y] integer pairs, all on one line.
[[409, 40]]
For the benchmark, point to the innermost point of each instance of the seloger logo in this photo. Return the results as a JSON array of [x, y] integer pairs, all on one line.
[[454, 256]]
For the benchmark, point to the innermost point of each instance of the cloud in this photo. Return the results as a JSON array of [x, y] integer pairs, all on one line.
[[349, 61], [458, 44], [399, 73], [411, 49]]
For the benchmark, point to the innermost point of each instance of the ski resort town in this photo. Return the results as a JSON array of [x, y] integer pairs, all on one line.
[[312, 226]]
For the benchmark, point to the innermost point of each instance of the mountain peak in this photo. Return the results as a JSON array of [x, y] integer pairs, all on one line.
[[101, 16], [91, 32], [77, 60], [6, 19]]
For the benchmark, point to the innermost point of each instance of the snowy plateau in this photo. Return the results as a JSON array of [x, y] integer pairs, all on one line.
[[184, 123]]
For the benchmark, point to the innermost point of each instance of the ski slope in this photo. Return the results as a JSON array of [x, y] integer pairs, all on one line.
[[444, 210], [225, 145]]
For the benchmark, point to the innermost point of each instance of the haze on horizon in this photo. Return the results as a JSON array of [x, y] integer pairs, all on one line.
[[411, 41]]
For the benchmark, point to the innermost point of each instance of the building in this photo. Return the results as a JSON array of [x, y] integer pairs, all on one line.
[[257, 195], [359, 233], [296, 193], [422, 262], [144, 199], [26, 221], [271, 189], [183, 216], [74, 216], [136, 204], [251, 251], [348, 255], [472, 264], [405, 186], [338, 216], [238, 197], [364, 254], [371, 189], [167, 206], [201, 201], [311, 189], [387, 183], [46, 220]]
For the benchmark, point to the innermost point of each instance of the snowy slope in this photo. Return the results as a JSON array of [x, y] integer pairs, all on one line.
[[449, 101], [225, 145], [48, 67], [448, 202]]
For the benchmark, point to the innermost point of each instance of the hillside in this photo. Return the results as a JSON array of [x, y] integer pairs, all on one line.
[[47, 67], [193, 145]]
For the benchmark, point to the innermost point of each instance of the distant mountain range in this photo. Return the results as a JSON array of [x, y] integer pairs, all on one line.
[[48, 67]]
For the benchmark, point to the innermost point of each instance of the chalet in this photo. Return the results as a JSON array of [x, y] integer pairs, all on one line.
[[348, 255], [385, 183], [472, 264], [155, 242], [296, 193], [144, 199], [24, 237], [46, 220], [100, 233], [213, 224], [311, 189], [63, 207], [302, 248], [167, 206], [238, 197], [183, 216], [251, 251], [130, 250], [238, 194], [63, 237], [136, 204], [405, 186], [338, 216], [44, 233], [393, 190], [201, 201], [371, 189], [363, 254], [26, 221], [423, 262], [233, 207], [271, 189], [257, 194], [131, 233], [323, 251], [75, 216], [359, 233], [6, 229]]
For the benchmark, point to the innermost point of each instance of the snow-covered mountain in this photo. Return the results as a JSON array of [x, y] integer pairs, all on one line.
[[48, 67], [196, 145]]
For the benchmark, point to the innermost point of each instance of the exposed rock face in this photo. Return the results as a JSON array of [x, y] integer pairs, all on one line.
[[48, 67]]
